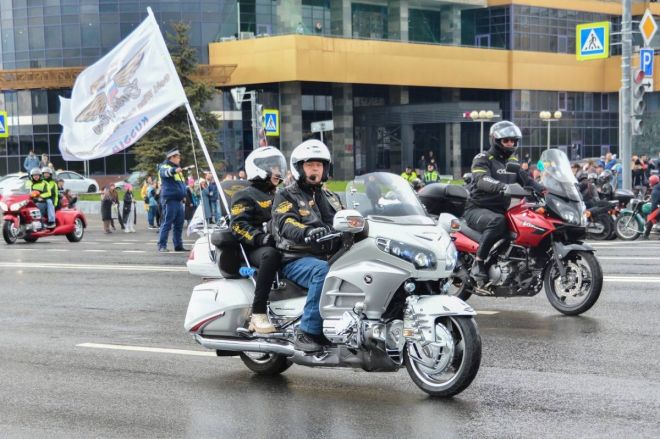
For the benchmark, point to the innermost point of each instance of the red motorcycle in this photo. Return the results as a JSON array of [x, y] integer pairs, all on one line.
[[22, 219], [543, 247]]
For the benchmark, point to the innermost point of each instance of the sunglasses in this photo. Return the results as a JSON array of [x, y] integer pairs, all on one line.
[[509, 140]]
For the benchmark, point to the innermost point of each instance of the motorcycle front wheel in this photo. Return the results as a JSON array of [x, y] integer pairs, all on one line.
[[9, 232], [265, 364], [579, 289], [448, 365], [627, 227]]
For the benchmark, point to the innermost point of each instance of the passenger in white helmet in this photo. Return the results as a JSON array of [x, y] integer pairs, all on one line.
[[303, 212], [250, 223]]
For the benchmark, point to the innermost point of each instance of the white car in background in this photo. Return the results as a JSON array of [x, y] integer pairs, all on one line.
[[78, 183]]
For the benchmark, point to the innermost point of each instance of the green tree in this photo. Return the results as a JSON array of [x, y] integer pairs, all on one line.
[[172, 131]]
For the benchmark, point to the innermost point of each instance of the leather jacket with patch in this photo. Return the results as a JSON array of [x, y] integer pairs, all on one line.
[[298, 208], [490, 177], [250, 209]]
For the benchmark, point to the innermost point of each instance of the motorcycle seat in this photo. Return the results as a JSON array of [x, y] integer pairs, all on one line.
[[470, 233]]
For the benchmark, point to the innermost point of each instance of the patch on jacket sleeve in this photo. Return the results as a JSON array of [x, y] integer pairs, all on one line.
[[284, 207], [295, 223], [265, 204], [241, 232], [304, 212], [238, 209]]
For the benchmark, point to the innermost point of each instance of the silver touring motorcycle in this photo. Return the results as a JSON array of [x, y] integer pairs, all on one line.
[[381, 304]]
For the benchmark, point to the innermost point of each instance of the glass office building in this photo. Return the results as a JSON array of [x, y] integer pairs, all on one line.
[[394, 76]]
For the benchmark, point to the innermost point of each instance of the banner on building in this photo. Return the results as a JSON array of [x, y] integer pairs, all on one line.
[[117, 100]]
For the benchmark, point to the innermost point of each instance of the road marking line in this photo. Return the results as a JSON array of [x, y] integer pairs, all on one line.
[[632, 279], [95, 251], [133, 251], [123, 243], [625, 248], [57, 250], [111, 267], [625, 258], [146, 349], [487, 313]]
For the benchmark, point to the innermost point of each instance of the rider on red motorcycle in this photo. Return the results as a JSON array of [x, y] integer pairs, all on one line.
[[488, 201], [655, 205], [40, 193]]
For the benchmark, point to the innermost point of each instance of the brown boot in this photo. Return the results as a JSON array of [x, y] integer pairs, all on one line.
[[259, 323]]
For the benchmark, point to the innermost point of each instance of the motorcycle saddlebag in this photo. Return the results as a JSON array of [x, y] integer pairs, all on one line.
[[230, 259], [444, 198]]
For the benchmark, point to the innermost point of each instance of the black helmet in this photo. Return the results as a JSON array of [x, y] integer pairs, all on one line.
[[581, 175], [505, 130], [417, 184], [605, 177]]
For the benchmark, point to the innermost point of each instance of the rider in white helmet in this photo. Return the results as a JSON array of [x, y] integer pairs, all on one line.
[[250, 210], [302, 213]]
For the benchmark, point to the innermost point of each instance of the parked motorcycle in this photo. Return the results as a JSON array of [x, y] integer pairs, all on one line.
[[22, 218], [631, 222], [380, 304], [600, 225], [543, 247]]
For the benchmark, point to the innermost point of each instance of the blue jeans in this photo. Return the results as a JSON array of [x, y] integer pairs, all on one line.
[[173, 213], [214, 209], [309, 272], [151, 215], [50, 207]]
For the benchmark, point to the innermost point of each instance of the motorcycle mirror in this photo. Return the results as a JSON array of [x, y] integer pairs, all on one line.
[[348, 220]]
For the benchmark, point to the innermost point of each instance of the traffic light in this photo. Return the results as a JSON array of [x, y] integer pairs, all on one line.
[[638, 105]]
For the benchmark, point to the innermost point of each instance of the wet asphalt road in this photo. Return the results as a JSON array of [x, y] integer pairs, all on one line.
[[542, 374]]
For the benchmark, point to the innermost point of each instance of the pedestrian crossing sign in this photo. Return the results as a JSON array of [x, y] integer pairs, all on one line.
[[272, 122], [4, 129], [592, 40]]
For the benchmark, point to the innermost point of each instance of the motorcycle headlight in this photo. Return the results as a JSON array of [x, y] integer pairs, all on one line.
[[419, 257], [451, 256], [3, 206], [17, 206], [565, 212]]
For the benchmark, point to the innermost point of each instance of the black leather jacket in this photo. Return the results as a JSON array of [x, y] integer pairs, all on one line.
[[250, 209], [298, 208], [489, 178]]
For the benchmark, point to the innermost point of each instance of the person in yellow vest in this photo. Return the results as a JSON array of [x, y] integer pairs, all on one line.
[[40, 192], [431, 175], [47, 174], [409, 174]]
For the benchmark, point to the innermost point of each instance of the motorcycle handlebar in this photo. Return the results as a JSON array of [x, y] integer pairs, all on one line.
[[324, 238]]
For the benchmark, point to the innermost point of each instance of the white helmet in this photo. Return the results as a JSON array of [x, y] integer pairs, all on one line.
[[261, 161], [310, 150]]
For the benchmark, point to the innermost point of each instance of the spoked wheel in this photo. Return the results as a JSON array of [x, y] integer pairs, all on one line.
[[265, 364], [627, 227], [576, 292], [78, 231], [446, 366], [9, 232]]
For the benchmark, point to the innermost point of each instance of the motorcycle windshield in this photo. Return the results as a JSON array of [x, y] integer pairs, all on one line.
[[14, 187], [385, 197], [557, 176]]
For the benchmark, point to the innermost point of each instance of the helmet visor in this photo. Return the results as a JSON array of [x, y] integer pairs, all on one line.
[[273, 166], [505, 132]]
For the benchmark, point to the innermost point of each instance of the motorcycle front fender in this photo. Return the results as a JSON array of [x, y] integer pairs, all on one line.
[[563, 250], [439, 306], [12, 218]]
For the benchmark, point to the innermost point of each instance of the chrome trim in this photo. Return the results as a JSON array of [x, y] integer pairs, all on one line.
[[245, 346]]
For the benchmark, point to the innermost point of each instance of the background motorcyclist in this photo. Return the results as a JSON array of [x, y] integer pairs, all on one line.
[[305, 210], [488, 201], [585, 186], [652, 218], [40, 192], [251, 208], [53, 201], [604, 184]]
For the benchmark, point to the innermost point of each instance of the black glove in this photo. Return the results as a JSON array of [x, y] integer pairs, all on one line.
[[316, 233], [265, 239], [505, 189]]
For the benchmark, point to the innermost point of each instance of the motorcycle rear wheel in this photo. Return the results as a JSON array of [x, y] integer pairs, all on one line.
[[265, 364], [584, 282], [607, 224], [461, 368], [78, 231], [30, 239], [9, 232], [627, 227]]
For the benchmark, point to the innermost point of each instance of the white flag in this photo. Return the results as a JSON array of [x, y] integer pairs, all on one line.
[[119, 98]]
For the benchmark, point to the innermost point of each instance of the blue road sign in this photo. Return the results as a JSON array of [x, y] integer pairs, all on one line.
[[646, 61], [272, 122], [4, 129], [593, 40]]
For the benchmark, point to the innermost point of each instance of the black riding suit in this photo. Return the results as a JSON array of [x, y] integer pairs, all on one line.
[[488, 203], [655, 205], [250, 209]]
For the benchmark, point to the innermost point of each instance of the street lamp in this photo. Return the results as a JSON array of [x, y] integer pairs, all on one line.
[[549, 118], [481, 117]]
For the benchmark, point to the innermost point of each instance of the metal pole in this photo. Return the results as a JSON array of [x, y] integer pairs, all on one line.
[[625, 140], [548, 133], [481, 136], [238, 20], [321, 135], [253, 105]]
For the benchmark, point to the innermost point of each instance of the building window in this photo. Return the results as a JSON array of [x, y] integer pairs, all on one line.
[[604, 102], [369, 21], [562, 101], [424, 26], [482, 40]]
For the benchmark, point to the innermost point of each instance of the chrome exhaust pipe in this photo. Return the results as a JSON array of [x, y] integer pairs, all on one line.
[[245, 346]]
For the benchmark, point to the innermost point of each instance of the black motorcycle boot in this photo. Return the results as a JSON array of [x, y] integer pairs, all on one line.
[[305, 342], [479, 272]]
